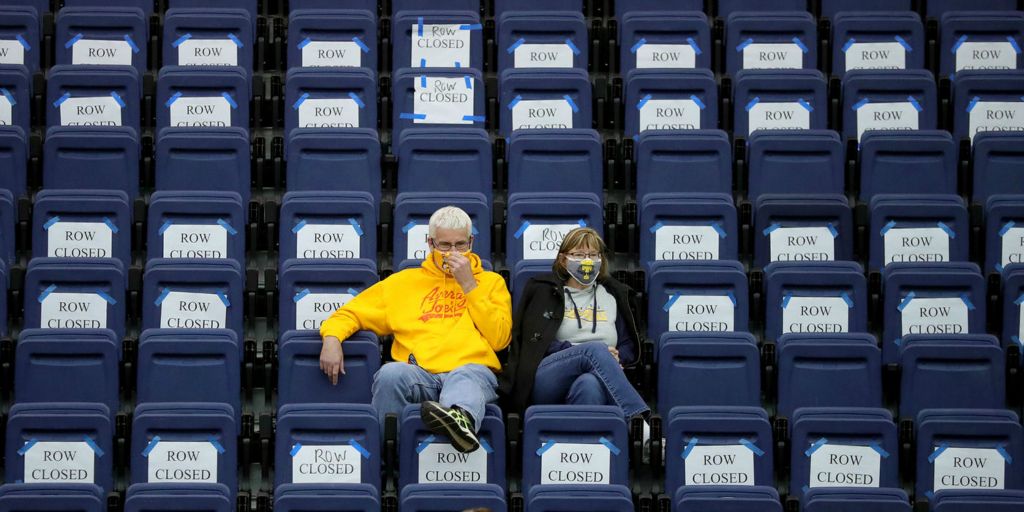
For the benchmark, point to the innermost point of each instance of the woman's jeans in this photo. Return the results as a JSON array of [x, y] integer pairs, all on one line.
[[586, 374]]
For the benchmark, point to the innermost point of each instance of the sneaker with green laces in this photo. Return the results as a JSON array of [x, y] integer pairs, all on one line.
[[455, 423]]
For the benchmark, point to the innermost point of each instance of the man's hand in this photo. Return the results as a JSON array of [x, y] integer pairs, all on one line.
[[332, 360], [462, 270]]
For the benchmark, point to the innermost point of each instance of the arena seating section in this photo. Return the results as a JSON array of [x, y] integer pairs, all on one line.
[[819, 203]]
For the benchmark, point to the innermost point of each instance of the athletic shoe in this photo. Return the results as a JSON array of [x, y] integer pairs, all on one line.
[[454, 423]]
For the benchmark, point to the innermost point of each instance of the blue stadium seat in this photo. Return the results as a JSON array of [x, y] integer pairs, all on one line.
[[828, 370], [1013, 303], [624, 8], [521, 275], [250, 6], [330, 98], [680, 226], [309, 291], [807, 162], [300, 380], [442, 160], [815, 297], [40, 7], [580, 498], [1004, 220], [970, 500], [8, 218], [917, 228], [542, 39], [193, 294], [437, 97], [659, 99], [109, 35], [907, 162], [75, 293], [110, 155], [727, 7], [208, 36], [555, 161], [932, 299], [15, 96], [951, 371], [432, 36], [663, 40], [708, 368], [998, 160], [842, 447], [326, 498], [982, 441], [696, 296], [726, 498], [876, 40], [720, 445], [81, 431], [190, 365], [537, 222], [888, 100], [501, 6], [683, 161], [770, 40], [327, 444], [334, 160], [431, 497], [592, 440], [44, 372], [93, 96], [82, 224], [852, 499], [202, 96], [936, 8], [332, 37], [143, 5], [979, 40], [184, 443], [13, 160], [196, 224], [425, 458], [532, 99], [4, 285], [791, 99], [987, 101], [328, 225], [189, 496], [832, 8], [19, 36], [204, 159], [69, 497], [412, 215]]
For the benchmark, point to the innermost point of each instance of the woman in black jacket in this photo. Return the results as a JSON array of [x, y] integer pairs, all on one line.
[[573, 333]]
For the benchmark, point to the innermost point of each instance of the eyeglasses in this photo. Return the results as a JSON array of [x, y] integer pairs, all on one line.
[[585, 255], [458, 246]]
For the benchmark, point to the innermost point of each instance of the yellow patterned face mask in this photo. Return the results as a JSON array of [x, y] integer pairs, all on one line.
[[583, 271]]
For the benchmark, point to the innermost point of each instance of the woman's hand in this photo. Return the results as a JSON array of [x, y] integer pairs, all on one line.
[[615, 353]]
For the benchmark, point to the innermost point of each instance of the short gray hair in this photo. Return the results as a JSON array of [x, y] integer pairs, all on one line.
[[450, 217]]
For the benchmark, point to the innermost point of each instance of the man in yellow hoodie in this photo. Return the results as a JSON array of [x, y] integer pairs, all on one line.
[[448, 318]]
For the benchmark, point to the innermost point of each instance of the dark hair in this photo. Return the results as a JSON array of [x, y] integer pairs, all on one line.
[[580, 237]]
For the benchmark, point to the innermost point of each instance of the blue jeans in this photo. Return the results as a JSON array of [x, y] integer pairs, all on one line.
[[470, 387], [586, 374]]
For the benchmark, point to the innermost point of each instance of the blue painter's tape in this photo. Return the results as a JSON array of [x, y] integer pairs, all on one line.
[[408, 115], [785, 300], [832, 229], [898, 341], [24, 43], [572, 46], [46, 293], [474, 26], [700, 104], [572, 104], [423, 79], [732, 298], [861, 103], [95, 447], [752, 447], [522, 229], [938, 451], [1016, 339], [967, 301], [744, 44], [298, 103], [906, 301], [805, 489], [295, 449], [49, 224], [643, 101], [27, 446], [814, 447], [904, 43], [637, 45], [545, 447], [117, 98], [956, 45], [216, 444], [302, 44], [656, 227], [1002, 452], [807, 106], [164, 227], [1006, 228], [1020, 300], [878, 448], [62, 99], [10, 97], [671, 300], [407, 227], [419, 26], [105, 296], [719, 229], [1013, 43], [110, 224], [913, 101], [301, 295], [475, 119], [974, 101], [949, 231], [849, 43], [352, 291], [999, 268], [71, 42], [800, 44], [474, 231], [163, 295], [131, 43], [359, 448], [469, 81], [582, 223], [610, 445], [362, 46], [224, 298], [486, 446], [929, 494], [355, 225], [178, 42], [174, 97], [751, 103], [227, 227], [512, 47], [689, 447], [236, 40], [515, 101], [231, 101], [847, 299], [768, 230], [888, 225], [359, 101], [149, 447], [693, 44], [424, 444]]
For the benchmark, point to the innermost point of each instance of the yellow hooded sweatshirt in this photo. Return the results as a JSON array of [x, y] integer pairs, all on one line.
[[430, 318]]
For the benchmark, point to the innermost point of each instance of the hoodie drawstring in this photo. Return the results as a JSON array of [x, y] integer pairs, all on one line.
[[593, 316]]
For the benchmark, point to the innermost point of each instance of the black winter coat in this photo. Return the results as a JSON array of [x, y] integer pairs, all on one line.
[[535, 324]]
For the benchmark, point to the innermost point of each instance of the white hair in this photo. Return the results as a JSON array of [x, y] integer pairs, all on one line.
[[450, 217]]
